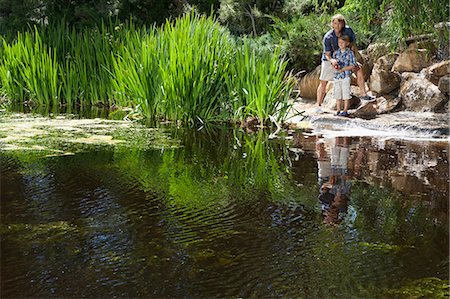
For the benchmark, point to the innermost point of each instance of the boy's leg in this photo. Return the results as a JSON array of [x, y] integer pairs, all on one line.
[[346, 92], [346, 105], [337, 94], [338, 105]]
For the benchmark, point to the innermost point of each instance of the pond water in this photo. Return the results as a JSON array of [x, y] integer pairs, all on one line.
[[224, 213]]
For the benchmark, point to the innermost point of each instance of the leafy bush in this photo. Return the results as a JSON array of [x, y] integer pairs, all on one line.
[[301, 40]]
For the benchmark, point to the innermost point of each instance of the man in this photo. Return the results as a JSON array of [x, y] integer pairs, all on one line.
[[330, 44]]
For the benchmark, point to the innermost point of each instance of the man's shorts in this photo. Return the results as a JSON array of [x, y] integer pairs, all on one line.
[[326, 71], [341, 89]]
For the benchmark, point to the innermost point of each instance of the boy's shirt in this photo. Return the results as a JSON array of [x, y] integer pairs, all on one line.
[[344, 59]]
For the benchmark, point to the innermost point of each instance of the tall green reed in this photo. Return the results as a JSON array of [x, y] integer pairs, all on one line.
[[191, 69], [258, 83]]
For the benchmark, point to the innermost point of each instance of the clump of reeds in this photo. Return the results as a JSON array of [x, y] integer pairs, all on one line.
[[190, 69]]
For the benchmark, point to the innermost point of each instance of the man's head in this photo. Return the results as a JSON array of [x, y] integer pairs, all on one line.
[[338, 22]]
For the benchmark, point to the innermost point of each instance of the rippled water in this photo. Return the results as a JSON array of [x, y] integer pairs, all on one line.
[[227, 214]]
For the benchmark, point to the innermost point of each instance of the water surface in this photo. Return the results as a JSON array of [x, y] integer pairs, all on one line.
[[223, 213]]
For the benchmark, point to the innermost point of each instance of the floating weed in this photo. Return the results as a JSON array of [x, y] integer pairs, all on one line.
[[40, 232], [428, 287], [66, 136], [383, 246]]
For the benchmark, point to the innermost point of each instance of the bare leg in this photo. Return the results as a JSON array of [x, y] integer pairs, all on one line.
[[338, 105], [361, 83], [346, 105], [321, 90]]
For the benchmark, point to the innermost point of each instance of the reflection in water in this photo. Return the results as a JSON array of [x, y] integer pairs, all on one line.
[[334, 178], [226, 215]]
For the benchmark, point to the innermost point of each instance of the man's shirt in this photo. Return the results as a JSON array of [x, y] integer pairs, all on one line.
[[330, 41]]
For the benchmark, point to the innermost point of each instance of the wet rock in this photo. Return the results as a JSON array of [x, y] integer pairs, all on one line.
[[387, 104], [309, 83], [407, 184], [412, 60], [251, 124], [444, 83], [437, 70], [419, 94], [366, 111], [382, 80]]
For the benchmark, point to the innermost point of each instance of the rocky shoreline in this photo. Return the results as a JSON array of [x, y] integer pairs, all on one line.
[[415, 79]]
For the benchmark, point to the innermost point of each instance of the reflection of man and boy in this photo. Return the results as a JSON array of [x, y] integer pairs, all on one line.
[[339, 59], [334, 177]]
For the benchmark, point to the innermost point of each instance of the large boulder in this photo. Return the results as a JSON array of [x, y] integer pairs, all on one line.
[[382, 80], [382, 105], [419, 94], [367, 111], [376, 50], [414, 59], [387, 104], [437, 70], [309, 83]]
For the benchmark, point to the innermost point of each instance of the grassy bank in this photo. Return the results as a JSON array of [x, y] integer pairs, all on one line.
[[190, 69]]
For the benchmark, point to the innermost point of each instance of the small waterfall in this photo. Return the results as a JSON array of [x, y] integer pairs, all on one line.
[[400, 125]]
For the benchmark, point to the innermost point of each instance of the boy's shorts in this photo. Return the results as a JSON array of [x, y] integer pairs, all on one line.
[[341, 89], [326, 71]]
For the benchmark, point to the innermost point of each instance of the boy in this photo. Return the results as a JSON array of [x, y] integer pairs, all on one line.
[[345, 63]]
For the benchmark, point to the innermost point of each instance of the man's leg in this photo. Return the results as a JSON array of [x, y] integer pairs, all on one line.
[[362, 86], [361, 83], [321, 91]]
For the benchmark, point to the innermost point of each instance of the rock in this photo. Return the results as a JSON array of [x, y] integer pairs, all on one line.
[[412, 60], [386, 104], [382, 80], [419, 94], [444, 83], [368, 110], [437, 70], [386, 62], [376, 50], [407, 184], [309, 83]]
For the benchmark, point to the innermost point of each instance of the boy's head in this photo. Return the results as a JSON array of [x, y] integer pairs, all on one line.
[[343, 41]]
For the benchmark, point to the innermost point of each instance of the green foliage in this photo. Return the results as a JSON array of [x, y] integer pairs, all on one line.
[[244, 17], [396, 20], [301, 40], [186, 70], [257, 83]]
